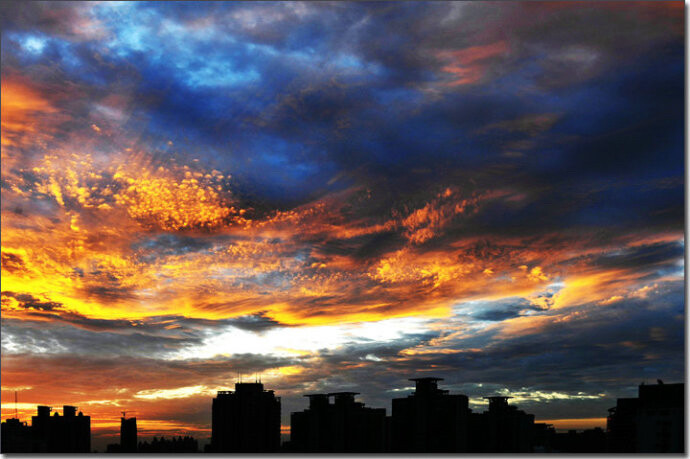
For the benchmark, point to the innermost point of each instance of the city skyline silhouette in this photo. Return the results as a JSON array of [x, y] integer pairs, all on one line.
[[429, 420]]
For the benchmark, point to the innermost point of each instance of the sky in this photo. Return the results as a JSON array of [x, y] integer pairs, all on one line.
[[339, 196]]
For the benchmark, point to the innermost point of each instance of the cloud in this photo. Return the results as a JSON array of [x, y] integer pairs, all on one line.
[[530, 125], [26, 301], [257, 322], [71, 21], [466, 65], [11, 262], [26, 114]]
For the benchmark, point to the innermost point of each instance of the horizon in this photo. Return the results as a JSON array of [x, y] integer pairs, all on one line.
[[340, 196], [476, 405]]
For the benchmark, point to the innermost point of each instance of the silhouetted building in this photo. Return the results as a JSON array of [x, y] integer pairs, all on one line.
[[128, 435], [587, 441], [15, 437], [543, 438], [344, 426], [174, 445], [69, 433], [651, 423], [246, 420], [430, 420], [621, 426], [502, 429], [310, 430], [388, 435]]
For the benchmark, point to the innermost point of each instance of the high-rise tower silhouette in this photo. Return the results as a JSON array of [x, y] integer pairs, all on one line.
[[344, 426], [430, 420], [246, 420], [651, 423], [501, 429], [128, 435]]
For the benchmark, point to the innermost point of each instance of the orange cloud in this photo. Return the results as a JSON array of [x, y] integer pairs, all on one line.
[[468, 65], [27, 118], [100, 211], [173, 203]]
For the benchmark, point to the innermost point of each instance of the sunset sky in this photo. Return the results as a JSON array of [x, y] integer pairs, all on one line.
[[339, 196]]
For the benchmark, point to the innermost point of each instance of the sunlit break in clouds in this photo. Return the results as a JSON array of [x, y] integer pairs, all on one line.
[[339, 196]]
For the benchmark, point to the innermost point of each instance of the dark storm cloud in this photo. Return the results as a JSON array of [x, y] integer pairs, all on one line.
[[27, 301], [660, 256], [358, 351], [370, 246], [290, 120], [12, 262], [256, 322], [61, 19], [633, 337], [111, 292], [80, 341], [99, 373], [155, 336], [505, 309], [163, 245]]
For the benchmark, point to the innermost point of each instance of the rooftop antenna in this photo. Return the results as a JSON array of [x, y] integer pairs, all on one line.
[[124, 414], [15, 405]]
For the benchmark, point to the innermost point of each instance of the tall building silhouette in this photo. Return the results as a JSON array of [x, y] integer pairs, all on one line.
[[69, 433], [246, 420], [430, 420], [310, 430], [651, 423], [621, 426], [501, 429], [344, 426], [128, 435]]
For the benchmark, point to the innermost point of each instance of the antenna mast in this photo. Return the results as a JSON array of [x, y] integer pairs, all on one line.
[[15, 405]]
